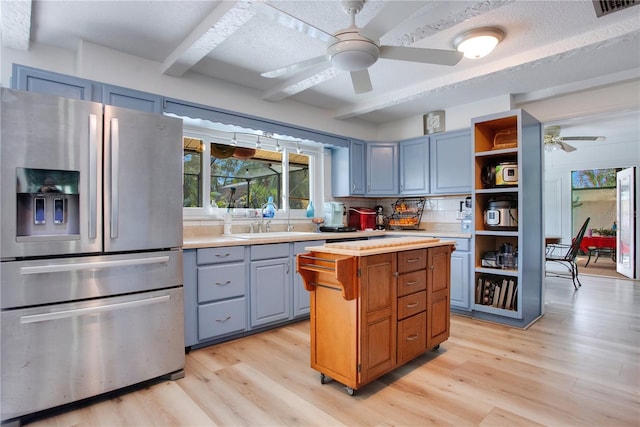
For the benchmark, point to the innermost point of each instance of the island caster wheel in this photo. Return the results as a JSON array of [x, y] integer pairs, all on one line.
[[323, 379], [350, 391], [435, 348]]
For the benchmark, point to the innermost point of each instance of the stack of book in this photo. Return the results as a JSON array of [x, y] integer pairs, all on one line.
[[497, 291]]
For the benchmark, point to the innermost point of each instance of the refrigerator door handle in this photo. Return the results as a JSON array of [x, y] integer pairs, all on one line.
[[115, 158], [57, 268], [65, 314], [93, 176]]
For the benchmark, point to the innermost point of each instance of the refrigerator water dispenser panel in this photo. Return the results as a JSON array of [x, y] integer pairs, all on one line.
[[47, 204]]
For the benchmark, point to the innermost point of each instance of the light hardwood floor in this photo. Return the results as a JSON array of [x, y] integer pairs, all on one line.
[[579, 365]]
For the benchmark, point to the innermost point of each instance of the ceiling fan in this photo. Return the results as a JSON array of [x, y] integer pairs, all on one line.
[[553, 141], [352, 49]]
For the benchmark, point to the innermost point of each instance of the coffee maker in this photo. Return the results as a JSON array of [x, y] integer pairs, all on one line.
[[380, 218]]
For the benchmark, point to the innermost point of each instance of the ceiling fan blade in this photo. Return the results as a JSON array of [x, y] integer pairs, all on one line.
[[584, 138], [290, 21], [303, 80], [295, 68], [361, 81], [392, 14], [566, 147], [415, 54]]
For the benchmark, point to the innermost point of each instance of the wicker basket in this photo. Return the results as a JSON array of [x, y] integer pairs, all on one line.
[[407, 212]]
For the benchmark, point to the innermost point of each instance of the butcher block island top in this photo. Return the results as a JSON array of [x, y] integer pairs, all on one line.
[[375, 305], [379, 246]]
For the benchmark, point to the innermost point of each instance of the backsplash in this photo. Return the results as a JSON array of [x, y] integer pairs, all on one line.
[[439, 211]]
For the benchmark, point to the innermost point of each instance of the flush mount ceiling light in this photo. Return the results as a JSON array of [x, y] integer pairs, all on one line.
[[478, 42]]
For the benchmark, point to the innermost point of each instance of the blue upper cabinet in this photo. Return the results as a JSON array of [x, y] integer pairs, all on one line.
[[382, 168], [348, 170], [450, 162], [132, 99], [414, 166], [35, 80]]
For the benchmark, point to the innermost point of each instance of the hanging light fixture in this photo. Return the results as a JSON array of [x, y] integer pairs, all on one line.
[[298, 149], [278, 148], [234, 140], [258, 143], [478, 42]]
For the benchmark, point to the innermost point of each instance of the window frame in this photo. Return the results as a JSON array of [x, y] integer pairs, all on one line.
[[314, 151]]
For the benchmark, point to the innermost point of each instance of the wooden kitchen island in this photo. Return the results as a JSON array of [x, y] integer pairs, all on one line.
[[375, 305]]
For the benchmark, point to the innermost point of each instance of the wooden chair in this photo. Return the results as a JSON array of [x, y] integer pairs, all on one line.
[[566, 255]]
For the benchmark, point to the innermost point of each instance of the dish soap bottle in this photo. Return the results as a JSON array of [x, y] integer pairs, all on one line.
[[269, 211], [310, 211]]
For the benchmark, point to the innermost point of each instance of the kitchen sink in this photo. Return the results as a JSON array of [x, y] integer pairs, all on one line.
[[275, 235]]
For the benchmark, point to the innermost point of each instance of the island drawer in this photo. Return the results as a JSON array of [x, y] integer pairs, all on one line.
[[409, 283], [221, 282], [412, 337], [412, 260], [412, 304]]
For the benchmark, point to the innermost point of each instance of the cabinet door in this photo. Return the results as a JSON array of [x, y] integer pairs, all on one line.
[[438, 276], [451, 166], [460, 276], [34, 80], [378, 308], [414, 166], [270, 289], [357, 176], [382, 168], [132, 99], [348, 170]]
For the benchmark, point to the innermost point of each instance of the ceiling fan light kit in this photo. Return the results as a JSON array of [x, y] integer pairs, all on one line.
[[478, 42], [353, 52]]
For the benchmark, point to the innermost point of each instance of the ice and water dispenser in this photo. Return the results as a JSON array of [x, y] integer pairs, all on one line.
[[47, 203]]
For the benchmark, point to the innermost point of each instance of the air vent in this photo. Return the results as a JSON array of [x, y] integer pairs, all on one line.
[[605, 7]]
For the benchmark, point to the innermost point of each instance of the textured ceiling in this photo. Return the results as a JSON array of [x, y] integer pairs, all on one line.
[[548, 44]]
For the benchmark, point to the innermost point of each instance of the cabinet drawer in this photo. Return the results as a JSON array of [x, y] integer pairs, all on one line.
[[218, 255], [221, 282], [412, 260], [412, 304], [222, 318], [278, 250], [409, 283], [412, 334]]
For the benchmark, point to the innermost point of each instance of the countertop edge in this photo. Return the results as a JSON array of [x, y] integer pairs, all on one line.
[[261, 239]]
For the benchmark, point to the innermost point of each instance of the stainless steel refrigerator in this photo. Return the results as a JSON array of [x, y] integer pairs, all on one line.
[[91, 262]]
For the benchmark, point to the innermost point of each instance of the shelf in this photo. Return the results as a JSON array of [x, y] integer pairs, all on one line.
[[497, 271], [498, 190], [497, 311], [496, 153], [496, 233]]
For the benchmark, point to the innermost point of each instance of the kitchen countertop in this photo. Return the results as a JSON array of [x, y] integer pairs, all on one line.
[[243, 239]]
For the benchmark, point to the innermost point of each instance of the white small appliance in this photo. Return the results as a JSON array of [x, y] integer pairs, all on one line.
[[333, 212]]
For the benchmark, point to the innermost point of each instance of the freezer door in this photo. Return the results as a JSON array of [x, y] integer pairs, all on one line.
[[61, 353], [48, 281], [44, 139], [143, 180]]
